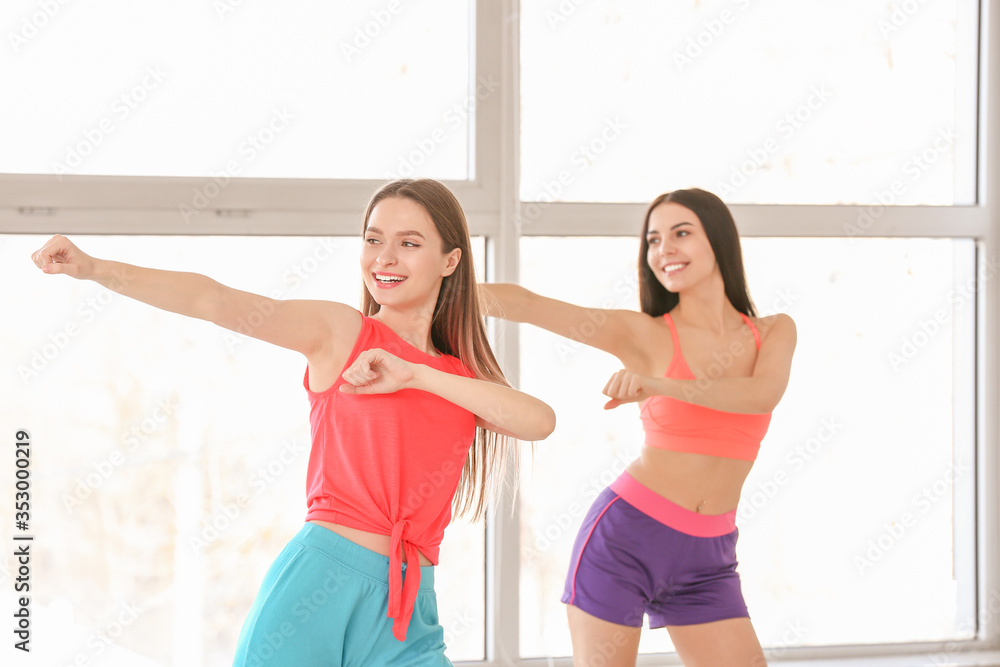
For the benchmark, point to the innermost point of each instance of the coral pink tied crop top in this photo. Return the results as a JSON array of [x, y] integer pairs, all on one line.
[[389, 463], [679, 426]]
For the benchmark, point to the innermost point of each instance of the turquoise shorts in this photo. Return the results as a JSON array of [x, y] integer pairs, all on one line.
[[324, 602]]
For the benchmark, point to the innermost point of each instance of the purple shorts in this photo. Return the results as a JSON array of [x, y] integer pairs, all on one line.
[[639, 553]]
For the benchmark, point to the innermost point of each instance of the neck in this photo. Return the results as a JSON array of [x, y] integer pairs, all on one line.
[[705, 306], [412, 325]]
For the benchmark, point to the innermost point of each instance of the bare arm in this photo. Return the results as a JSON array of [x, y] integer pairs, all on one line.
[[758, 393], [497, 407], [613, 331], [304, 326]]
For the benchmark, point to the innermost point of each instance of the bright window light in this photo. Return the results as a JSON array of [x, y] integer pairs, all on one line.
[[783, 102], [359, 90]]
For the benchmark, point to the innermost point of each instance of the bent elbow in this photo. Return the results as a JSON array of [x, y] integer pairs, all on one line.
[[767, 401], [546, 423]]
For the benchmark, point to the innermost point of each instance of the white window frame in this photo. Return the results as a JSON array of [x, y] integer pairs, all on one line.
[[42, 204]]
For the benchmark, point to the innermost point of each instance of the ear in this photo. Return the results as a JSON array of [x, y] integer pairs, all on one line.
[[451, 262]]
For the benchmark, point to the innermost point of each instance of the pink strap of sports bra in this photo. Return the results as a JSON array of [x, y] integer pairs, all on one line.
[[756, 336], [677, 343]]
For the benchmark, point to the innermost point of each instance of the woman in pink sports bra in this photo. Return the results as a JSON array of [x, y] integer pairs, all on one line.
[[660, 540]]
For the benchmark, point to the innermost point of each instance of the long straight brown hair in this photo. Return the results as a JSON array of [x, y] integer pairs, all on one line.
[[720, 228], [458, 329]]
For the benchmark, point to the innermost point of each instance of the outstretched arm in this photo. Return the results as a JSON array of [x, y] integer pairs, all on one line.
[[497, 407], [305, 326], [614, 331], [758, 393]]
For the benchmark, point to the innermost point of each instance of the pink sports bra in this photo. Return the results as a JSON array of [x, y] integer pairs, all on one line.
[[679, 426]]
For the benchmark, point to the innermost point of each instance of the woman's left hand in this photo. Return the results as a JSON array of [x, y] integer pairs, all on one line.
[[625, 387], [375, 371]]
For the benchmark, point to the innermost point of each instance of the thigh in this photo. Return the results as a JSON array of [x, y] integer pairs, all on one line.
[[729, 643], [424, 645], [599, 643], [300, 613]]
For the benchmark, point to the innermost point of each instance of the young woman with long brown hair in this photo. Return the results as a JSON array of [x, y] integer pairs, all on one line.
[[411, 418]]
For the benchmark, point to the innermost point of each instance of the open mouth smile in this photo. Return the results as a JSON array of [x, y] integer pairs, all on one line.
[[388, 279]]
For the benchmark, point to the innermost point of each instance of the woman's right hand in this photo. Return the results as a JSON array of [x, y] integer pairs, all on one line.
[[60, 255]]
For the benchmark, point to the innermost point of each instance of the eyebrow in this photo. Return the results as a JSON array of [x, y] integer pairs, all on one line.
[[405, 232], [679, 224]]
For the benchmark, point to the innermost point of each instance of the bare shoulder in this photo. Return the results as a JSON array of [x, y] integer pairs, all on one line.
[[777, 327], [642, 338], [325, 326], [344, 321], [342, 315], [636, 320]]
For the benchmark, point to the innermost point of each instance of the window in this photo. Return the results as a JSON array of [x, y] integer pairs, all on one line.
[[780, 102], [370, 89], [858, 151]]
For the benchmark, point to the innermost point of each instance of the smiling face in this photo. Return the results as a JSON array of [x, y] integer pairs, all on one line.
[[679, 252], [402, 259]]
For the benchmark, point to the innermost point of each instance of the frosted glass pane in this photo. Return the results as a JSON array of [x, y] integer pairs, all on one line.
[[310, 89], [761, 102]]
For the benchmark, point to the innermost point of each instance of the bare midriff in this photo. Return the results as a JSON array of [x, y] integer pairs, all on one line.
[[371, 541], [704, 484]]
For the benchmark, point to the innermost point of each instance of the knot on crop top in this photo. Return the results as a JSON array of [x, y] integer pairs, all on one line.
[[679, 426], [389, 463]]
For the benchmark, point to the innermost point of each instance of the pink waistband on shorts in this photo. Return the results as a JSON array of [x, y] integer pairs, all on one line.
[[670, 513]]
